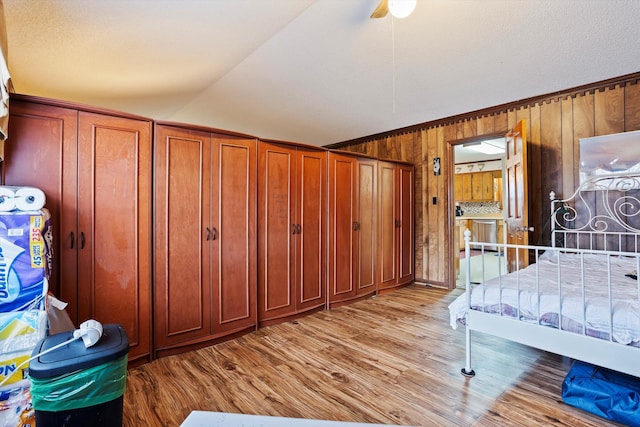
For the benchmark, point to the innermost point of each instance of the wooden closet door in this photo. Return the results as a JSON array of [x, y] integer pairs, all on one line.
[[406, 233], [277, 222], [388, 218], [114, 225], [42, 152], [182, 236], [366, 226], [311, 215], [343, 250], [234, 249]]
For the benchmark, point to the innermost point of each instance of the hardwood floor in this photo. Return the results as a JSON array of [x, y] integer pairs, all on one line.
[[392, 359]]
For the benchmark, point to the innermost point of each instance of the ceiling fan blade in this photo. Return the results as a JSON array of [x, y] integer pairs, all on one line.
[[382, 9]]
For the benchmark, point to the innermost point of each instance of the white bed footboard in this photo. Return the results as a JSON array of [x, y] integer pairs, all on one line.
[[596, 351]]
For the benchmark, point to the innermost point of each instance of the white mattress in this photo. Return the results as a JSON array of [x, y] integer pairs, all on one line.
[[499, 295]]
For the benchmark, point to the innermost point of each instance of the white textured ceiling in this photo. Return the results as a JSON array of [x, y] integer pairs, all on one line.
[[313, 71]]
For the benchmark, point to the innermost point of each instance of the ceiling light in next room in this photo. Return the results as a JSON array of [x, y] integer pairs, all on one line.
[[487, 147]]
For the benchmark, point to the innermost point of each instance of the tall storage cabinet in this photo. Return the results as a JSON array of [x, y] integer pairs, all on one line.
[[95, 169], [291, 231], [205, 240], [352, 227], [43, 141], [395, 193]]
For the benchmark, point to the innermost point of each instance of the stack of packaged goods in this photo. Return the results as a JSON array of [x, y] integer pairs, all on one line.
[[25, 263]]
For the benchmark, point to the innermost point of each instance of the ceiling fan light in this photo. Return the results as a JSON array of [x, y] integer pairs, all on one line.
[[402, 8]]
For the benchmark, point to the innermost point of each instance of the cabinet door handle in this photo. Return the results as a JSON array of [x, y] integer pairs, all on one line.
[[356, 226], [73, 238], [215, 234], [82, 240], [398, 223], [208, 233], [298, 229], [293, 229]]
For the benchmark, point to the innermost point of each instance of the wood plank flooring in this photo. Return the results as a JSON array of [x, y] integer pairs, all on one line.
[[392, 359]]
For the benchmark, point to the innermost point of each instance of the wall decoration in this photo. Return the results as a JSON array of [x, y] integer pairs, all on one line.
[[436, 166]]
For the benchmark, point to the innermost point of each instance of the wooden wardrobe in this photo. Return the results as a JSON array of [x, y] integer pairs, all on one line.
[[94, 166], [292, 212], [205, 237]]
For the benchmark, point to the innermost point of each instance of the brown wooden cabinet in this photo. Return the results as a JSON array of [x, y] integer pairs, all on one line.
[[395, 216], [497, 188], [406, 224], [95, 169], [482, 186], [205, 237], [291, 231], [352, 228], [208, 257], [476, 186], [487, 185], [467, 189]]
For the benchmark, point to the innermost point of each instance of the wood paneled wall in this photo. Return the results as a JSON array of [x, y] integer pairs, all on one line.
[[555, 124]]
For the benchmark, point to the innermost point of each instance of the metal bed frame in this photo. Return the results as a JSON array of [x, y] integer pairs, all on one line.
[[601, 217]]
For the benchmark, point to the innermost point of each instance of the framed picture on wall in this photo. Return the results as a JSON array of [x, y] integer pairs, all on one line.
[[613, 154]]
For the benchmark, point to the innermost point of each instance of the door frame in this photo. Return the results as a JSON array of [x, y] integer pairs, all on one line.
[[450, 145]]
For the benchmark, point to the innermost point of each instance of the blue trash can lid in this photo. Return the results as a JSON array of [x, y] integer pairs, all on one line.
[[74, 356]]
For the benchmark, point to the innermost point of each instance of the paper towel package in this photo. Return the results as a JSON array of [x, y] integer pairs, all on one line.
[[25, 259], [21, 198]]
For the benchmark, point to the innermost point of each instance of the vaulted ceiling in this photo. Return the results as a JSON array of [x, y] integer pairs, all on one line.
[[313, 71]]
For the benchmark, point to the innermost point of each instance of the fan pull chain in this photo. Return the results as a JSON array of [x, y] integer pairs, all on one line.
[[393, 65]]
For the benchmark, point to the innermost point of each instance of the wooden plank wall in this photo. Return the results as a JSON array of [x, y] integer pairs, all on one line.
[[554, 126]]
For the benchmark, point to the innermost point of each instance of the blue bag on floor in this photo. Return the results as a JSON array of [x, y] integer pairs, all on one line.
[[609, 394]]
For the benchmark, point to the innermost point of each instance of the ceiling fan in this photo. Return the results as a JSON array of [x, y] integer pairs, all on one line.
[[398, 8]]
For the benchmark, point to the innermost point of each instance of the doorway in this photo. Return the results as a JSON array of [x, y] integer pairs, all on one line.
[[478, 168]]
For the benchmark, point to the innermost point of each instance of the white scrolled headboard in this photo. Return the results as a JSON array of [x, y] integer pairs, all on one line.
[[603, 214]]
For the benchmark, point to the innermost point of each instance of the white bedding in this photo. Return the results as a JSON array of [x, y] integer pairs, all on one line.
[[498, 295]]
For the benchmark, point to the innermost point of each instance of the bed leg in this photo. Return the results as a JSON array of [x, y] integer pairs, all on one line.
[[467, 371], [468, 374]]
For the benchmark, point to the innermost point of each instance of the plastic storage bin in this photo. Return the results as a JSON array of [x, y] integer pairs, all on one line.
[[78, 386]]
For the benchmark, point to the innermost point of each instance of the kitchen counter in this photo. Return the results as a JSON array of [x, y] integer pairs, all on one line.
[[497, 216]]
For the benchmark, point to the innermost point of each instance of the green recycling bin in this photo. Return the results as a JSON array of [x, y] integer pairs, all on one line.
[[78, 386]]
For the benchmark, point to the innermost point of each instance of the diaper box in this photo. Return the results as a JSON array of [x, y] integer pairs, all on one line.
[[25, 259]]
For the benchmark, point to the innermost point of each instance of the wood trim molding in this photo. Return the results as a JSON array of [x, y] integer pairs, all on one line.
[[75, 106], [632, 78], [214, 131]]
